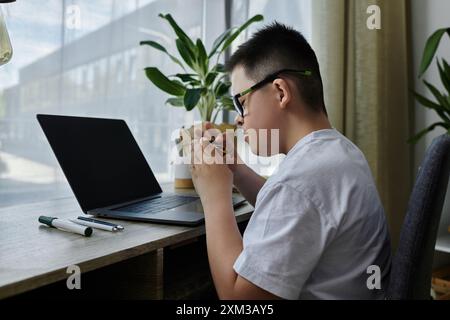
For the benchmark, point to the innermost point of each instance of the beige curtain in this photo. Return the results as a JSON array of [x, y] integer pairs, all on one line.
[[365, 75]]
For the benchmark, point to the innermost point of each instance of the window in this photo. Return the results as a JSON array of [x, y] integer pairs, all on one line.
[[83, 58]]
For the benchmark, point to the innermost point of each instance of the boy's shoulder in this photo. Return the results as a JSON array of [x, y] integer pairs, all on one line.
[[328, 173], [320, 159]]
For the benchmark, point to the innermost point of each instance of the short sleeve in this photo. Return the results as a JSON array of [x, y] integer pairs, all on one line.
[[283, 242]]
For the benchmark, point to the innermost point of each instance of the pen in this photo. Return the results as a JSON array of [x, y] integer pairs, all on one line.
[[66, 225], [217, 146], [117, 226], [94, 225], [211, 140]]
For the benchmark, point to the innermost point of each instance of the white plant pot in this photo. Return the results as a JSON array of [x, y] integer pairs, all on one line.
[[183, 178]]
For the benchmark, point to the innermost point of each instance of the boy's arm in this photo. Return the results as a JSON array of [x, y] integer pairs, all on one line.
[[224, 243], [247, 181], [213, 183]]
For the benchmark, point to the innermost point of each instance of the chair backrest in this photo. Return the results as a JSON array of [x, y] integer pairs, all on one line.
[[411, 267]]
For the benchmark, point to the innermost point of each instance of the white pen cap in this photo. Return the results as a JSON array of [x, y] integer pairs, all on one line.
[[66, 225]]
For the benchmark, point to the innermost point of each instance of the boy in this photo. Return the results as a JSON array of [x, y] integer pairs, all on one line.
[[318, 223]]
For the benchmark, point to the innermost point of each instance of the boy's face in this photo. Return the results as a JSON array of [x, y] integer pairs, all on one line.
[[261, 111]]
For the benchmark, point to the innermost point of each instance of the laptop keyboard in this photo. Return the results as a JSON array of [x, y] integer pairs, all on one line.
[[157, 204]]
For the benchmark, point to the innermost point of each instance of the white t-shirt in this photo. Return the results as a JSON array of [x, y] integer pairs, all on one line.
[[318, 225]]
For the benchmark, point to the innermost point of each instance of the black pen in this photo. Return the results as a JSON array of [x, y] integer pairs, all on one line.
[[117, 226]]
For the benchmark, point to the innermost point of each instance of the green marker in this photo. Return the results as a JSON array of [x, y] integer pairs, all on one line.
[[66, 225]]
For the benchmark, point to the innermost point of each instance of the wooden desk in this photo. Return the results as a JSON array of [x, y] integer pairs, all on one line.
[[145, 261]]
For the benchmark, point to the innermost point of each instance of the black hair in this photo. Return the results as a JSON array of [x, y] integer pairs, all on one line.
[[276, 47]]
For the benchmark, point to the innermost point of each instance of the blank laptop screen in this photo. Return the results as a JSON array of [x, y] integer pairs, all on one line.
[[101, 160]]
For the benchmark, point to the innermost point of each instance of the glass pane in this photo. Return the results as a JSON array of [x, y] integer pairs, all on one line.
[[84, 59]]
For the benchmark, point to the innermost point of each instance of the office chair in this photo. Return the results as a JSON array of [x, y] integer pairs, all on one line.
[[411, 267]]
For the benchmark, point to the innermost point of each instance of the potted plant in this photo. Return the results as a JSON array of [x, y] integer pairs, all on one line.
[[202, 82], [441, 105]]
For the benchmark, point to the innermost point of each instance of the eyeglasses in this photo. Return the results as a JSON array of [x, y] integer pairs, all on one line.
[[237, 103]]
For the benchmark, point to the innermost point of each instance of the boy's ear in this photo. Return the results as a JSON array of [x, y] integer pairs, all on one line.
[[283, 92]]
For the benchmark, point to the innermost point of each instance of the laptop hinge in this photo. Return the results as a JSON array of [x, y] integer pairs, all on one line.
[[122, 204]]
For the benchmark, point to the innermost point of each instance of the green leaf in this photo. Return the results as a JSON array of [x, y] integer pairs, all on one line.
[[227, 103], [220, 40], [210, 78], [231, 38], [229, 108], [222, 88], [191, 98], [436, 93], [219, 68], [446, 67], [185, 53], [226, 100], [178, 82], [179, 32], [188, 78], [222, 78], [161, 48], [430, 49], [431, 105], [175, 102], [202, 58], [426, 102], [163, 83], [445, 76], [419, 135]]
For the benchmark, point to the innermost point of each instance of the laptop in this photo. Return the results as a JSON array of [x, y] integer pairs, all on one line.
[[109, 175]]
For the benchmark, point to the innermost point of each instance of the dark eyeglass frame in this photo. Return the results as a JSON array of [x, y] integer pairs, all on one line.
[[237, 103]]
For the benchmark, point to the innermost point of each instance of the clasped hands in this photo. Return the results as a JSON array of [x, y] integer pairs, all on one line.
[[212, 178]]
